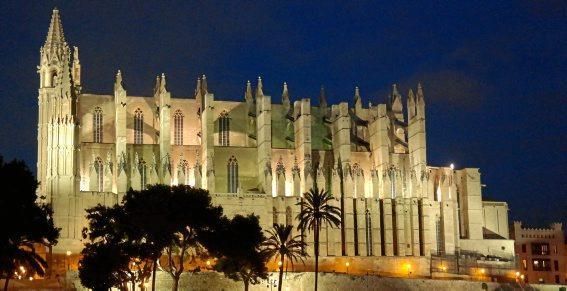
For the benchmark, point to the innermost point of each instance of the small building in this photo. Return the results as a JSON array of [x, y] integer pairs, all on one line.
[[542, 253]]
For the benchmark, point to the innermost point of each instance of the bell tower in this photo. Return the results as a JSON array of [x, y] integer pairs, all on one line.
[[57, 127]]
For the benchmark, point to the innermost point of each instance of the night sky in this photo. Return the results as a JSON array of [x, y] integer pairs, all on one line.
[[493, 73]]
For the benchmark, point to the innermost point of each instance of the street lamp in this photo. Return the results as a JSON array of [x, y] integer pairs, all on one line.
[[408, 267], [67, 259], [347, 264]]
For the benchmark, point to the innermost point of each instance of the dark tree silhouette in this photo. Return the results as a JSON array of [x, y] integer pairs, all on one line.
[[26, 221], [110, 229], [236, 244], [316, 212], [191, 215], [103, 266], [280, 245], [150, 226]]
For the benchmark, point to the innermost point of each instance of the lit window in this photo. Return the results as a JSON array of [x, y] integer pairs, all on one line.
[[97, 125], [178, 128], [525, 264], [138, 127], [99, 168], [224, 129], [232, 169]]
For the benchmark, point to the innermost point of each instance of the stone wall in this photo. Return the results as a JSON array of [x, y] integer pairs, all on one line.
[[304, 281]]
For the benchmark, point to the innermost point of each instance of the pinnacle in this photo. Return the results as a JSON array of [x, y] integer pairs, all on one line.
[[55, 35]]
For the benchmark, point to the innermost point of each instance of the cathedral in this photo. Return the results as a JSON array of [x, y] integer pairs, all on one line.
[[259, 155]]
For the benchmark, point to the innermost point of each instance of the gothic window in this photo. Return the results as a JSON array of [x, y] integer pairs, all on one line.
[[368, 233], [138, 126], [97, 125], [275, 216], [99, 168], [232, 170], [143, 174], [178, 127], [224, 129], [288, 217]]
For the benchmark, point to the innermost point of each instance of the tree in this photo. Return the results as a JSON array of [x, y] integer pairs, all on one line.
[[280, 245], [149, 225], [26, 221], [191, 215], [111, 231], [316, 212], [236, 244], [103, 266]]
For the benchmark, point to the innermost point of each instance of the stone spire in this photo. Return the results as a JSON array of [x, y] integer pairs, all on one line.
[[357, 99], [322, 98], [157, 85], [248, 94], [285, 96], [162, 88], [420, 94], [76, 68], [55, 36], [204, 86], [118, 82], [396, 99], [249, 98], [259, 91], [411, 105], [420, 102]]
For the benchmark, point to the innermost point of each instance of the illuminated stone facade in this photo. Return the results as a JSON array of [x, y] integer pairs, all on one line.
[[255, 156]]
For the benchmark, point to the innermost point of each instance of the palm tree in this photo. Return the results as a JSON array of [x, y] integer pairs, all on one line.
[[280, 243], [316, 212]]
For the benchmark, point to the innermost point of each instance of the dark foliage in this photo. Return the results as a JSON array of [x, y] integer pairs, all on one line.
[[25, 221], [236, 243]]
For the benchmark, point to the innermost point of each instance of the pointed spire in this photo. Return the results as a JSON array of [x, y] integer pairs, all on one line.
[[248, 93], [411, 104], [396, 99], [157, 85], [204, 86], [357, 98], [419, 92], [162, 84], [322, 98], [55, 34], [285, 94], [118, 81], [198, 89], [259, 91]]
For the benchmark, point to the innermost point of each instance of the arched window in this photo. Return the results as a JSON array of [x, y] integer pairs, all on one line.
[[224, 129], [138, 126], [143, 174], [97, 125], [232, 170], [368, 233], [274, 216], [288, 217], [178, 127], [99, 168]]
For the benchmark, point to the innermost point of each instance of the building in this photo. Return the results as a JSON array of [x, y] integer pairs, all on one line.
[[258, 156], [542, 253]]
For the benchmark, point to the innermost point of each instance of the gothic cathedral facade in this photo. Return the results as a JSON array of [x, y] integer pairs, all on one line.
[[256, 156]]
